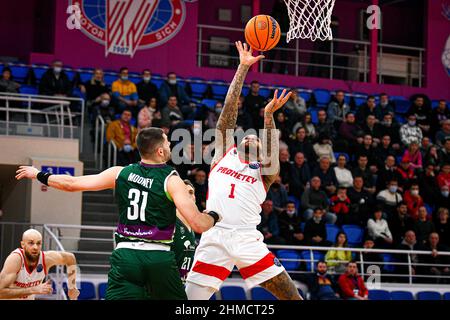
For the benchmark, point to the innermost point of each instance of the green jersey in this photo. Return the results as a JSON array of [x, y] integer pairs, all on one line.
[[146, 211], [184, 248]]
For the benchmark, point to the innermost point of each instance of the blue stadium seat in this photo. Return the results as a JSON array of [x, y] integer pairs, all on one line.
[[401, 98], [338, 154], [302, 226], [219, 90], [402, 106], [359, 101], [87, 291], [198, 89], [85, 75], [354, 234], [157, 82], [389, 268], [332, 232], [400, 119], [70, 74], [305, 95], [446, 296], [102, 290], [233, 293], [305, 255], [322, 97], [19, 73], [314, 116], [110, 78], [77, 93], [25, 89], [401, 295], [265, 92], [39, 71], [209, 103], [429, 208], [245, 91], [259, 293], [379, 295], [428, 295], [434, 104], [289, 254]]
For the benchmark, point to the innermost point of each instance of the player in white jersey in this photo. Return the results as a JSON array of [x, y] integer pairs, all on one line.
[[238, 183], [25, 269]]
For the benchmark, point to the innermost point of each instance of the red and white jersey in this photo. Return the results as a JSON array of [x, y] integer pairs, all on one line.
[[26, 278], [236, 190]]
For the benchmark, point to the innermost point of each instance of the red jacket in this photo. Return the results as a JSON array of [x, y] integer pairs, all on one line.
[[338, 206], [347, 284], [443, 179], [413, 204]]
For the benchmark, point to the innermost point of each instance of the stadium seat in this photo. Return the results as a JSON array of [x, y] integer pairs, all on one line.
[[102, 290], [332, 231], [305, 95], [198, 89], [110, 78], [157, 82], [429, 208], [359, 101], [265, 92], [302, 226], [305, 255], [209, 103], [434, 104], [19, 73], [245, 91], [70, 74], [85, 75], [233, 293], [291, 255], [354, 234], [379, 295], [322, 97], [25, 89], [400, 119], [400, 98], [314, 116], [39, 71], [402, 106], [219, 91], [446, 296], [77, 93], [389, 268], [401, 295], [259, 293], [428, 295], [87, 291], [337, 154]]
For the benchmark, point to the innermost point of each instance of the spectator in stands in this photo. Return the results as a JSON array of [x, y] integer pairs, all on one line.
[[428, 186], [278, 194], [435, 246], [321, 285], [324, 148], [366, 149], [6, 82], [95, 88], [283, 126], [285, 167], [413, 200], [201, 188], [390, 198], [372, 128], [289, 223], [171, 114], [364, 171], [404, 174], [384, 150], [340, 206], [361, 201], [313, 198], [308, 125], [343, 176], [146, 89], [352, 284], [444, 133], [370, 258], [423, 226], [125, 92], [302, 144], [315, 230], [213, 115], [327, 176], [337, 108], [384, 107], [323, 126], [146, 114], [439, 114], [410, 131], [124, 136], [338, 259], [390, 128], [378, 230], [299, 176], [442, 225], [386, 173], [295, 107], [408, 243], [170, 88], [432, 156], [244, 119], [348, 132], [368, 108], [425, 146], [422, 112], [414, 156], [254, 102], [400, 223], [444, 153], [55, 82], [269, 224], [104, 107]]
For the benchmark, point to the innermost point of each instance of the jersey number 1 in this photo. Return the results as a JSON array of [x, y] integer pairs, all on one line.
[[232, 191], [137, 211]]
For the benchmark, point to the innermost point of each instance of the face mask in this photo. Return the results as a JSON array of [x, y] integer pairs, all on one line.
[[290, 213], [127, 148], [445, 193], [172, 82], [393, 189], [317, 219], [218, 111], [105, 103], [387, 123], [415, 192], [57, 69], [147, 79], [412, 123], [124, 78]]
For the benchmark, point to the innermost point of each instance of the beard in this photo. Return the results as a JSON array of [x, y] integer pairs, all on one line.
[[250, 152], [30, 257]]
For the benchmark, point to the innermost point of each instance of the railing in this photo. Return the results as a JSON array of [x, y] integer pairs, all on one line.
[[338, 59], [52, 100], [112, 146], [99, 141]]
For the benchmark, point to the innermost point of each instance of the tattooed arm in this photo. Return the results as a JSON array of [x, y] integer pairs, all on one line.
[[271, 142], [227, 120]]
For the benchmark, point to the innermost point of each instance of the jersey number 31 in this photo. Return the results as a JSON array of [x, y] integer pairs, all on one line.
[[135, 210]]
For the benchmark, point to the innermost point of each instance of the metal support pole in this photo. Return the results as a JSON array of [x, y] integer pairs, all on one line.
[[420, 68], [373, 51], [331, 59], [199, 54], [296, 57]]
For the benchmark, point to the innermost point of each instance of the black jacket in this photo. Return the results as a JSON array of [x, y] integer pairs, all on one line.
[[50, 85]]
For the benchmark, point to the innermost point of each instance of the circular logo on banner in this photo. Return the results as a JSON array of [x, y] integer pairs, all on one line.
[[125, 26]]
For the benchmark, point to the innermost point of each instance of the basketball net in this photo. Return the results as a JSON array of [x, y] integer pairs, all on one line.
[[309, 19]]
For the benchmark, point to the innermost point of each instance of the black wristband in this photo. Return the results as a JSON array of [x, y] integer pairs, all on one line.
[[43, 177], [214, 215]]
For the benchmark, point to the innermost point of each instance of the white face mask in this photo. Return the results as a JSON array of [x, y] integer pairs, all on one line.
[[412, 123], [105, 103], [290, 213], [393, 189], [127, 148], [57, 69], [415, 192], [124, 78], [445, 193], [147, 79], [171, 81]]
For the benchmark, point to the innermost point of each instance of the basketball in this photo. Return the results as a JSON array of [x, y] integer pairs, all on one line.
[[262, 32]]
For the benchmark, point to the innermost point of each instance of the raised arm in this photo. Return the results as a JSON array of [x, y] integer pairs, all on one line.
[[270, 139], [9, 275], [227, 120], [200, 222], [59, 258], [103, 180]]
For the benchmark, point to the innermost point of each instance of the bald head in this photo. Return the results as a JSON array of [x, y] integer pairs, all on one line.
[[31, 234], [32, 244]]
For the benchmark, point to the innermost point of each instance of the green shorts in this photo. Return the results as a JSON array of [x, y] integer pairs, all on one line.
[[144, 275]]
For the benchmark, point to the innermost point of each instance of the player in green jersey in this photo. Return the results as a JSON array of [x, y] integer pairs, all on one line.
[[147, 194]]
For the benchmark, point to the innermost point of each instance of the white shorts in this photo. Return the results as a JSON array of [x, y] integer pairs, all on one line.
[[221, 249]]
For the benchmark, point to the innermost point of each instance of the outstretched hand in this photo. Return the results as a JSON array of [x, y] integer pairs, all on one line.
[[28, 172], [245, 54], [277, 102]]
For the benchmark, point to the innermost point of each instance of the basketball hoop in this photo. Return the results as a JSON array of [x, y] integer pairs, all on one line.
[[310, 19]]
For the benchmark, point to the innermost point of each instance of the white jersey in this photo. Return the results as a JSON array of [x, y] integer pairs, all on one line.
[[27, 279], [236, 190]]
